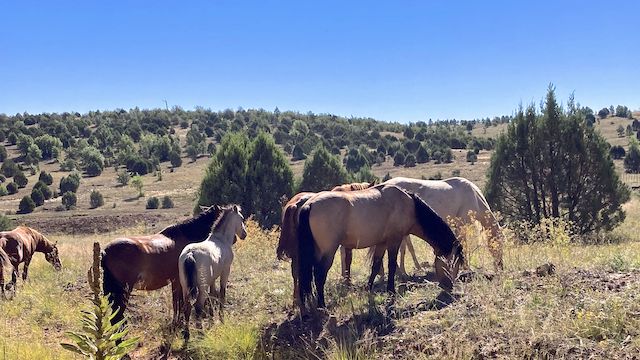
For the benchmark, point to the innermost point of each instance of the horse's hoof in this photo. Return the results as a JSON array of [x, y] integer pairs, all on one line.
[[186, 335]]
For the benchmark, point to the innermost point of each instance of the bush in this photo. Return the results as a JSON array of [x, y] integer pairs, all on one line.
[[398, 159], [167, 203], [3, 191], [153, 203], [410, 161], [46, 178], [69, 165], [139, 166], [70, 183], [93, 168], [69, 200], [20, 179], [37, 197], [123, 177], [175, 159], [44, 189], [95, 199], [26, 205], [2, 178], [3, 153], [12, 188], [6, 224], [9, 168]]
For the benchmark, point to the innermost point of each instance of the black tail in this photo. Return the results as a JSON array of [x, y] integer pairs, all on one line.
[[114, 291], [306, 254], [190, 274], [436, 228]]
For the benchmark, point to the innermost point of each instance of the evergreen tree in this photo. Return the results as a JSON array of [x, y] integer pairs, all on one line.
[[323, 172], [225, 179], [37, 197], [26, 205], [632, 159], [20, 179], [552, 165], [269, 178]]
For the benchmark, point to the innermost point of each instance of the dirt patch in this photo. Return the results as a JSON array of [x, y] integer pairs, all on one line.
[[96, 224]]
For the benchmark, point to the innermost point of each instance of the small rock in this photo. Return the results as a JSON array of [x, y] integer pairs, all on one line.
[[546, 270]]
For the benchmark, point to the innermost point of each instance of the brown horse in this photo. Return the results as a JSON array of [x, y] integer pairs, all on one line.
[[18, 246], [381, 215], [288, 243], [150, 262]]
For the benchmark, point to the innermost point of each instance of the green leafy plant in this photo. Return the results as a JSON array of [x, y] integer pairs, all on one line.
[[99, 339]]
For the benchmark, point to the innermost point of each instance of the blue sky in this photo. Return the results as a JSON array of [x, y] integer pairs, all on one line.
[[393, 60]]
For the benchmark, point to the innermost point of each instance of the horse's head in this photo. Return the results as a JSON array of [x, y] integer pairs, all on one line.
[[241, 228], [53, 257]]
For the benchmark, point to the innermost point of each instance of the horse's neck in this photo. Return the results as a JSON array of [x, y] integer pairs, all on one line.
[[221, 238], [42, 244]]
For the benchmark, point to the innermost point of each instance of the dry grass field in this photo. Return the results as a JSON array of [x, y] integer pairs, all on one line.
[[589, 307]]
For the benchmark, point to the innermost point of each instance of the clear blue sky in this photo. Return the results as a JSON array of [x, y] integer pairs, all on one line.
[[391, 60]]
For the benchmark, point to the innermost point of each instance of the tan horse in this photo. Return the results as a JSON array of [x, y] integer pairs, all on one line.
[[18, 246], [288, 241], [150, 262], [460, 201], [381, 215]]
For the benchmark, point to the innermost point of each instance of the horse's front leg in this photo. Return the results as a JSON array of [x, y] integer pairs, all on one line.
[[223, 292], [346, 258], [25, 269]]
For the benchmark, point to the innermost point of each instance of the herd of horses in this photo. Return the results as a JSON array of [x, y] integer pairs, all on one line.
[[194, 254]]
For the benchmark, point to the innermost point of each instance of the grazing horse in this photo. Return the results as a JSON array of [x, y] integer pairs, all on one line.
[[381, 215], [288, 243], [149, 262], [18, 246], [201, 264], [455, 199]]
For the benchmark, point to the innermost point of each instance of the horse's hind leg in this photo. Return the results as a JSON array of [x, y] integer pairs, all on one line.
[[392, 254], [176, 297], [187, 315], [320, 274], [223, 293], [378, 253]]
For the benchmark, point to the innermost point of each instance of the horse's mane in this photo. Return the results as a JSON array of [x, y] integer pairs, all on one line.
[[353, 186], [436, 229], [196, 228], [222, 217]]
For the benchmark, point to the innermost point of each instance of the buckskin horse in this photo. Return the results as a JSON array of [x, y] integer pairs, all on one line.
[[288, 241], [382, 215], [18, 246], [149, 262]]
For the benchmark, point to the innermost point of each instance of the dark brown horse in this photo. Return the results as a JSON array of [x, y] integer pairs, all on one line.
[[18, 246], [150, 262]]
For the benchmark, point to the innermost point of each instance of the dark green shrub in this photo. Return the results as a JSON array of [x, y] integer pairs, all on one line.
[[12, 188], [37, 197], [46, 178], [69, 200], [20, 179], [44, 189], [153, 203], [26, 205], [96, 200], [167, 203]]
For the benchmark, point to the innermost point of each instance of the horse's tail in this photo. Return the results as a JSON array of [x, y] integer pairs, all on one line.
[[112, 288], [306, 254], [191, 276], [287, 239], [436, 229]]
